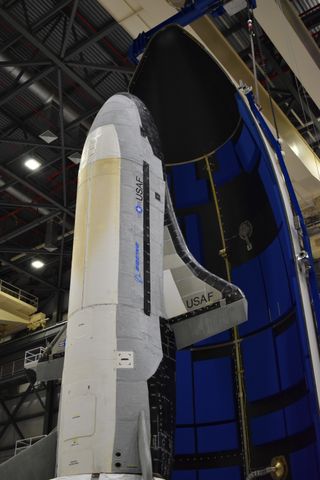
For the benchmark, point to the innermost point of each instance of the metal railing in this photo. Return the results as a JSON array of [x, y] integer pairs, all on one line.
[[24, 443], [11, 368], [32, 356], [18, 293]]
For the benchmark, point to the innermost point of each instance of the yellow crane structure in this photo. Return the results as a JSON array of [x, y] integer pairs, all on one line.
[[18, 310]]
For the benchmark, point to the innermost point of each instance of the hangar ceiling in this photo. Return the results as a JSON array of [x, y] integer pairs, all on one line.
[[59, 62]]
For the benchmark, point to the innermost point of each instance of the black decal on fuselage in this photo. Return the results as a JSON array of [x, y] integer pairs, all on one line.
[[199, 300], [146, 238], [139, 189]]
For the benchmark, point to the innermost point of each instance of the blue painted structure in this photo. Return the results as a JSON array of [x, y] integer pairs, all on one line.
[[282, 411], [193, 10], [281, 401], [295, 205]]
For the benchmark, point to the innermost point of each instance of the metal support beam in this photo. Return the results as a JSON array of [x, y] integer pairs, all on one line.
[[13, 266], [38, 24], [31, 173], [18, 63], [63, 152], [23, 418], [85, 116], [36, 190], [60, 271], [49, 408], [293, 41], [69, 27], [27, 205], [127, 70], [26, 228], [38, 144], [30, 251], [288, 86], [74, 50], [12, 419], [30, 151], [38, 397], [48, 53], [15, 411], [13, 92], [21, 123], [64, 180], [311, 19], [88, 42]]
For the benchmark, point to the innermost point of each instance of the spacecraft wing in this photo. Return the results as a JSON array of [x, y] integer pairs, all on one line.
[[198, 303]]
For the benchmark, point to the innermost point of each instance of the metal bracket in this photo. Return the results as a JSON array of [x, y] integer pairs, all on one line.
[[125, 360], [303, 261]]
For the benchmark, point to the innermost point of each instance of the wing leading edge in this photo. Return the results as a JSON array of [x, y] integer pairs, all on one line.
[[198, 304]]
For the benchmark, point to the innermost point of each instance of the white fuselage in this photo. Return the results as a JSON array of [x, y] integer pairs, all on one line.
[[113, 338]]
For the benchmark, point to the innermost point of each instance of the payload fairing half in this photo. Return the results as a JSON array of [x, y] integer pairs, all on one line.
[[117, 403]]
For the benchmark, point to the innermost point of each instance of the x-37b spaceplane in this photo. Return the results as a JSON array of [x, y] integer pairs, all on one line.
[[133, 282]]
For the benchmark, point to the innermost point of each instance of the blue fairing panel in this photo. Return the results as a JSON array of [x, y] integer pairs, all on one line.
[[213, 372], [231, 212], [280, 408]]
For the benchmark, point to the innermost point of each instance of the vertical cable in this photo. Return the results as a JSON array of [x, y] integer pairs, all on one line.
[[253, 55], [236, 339]]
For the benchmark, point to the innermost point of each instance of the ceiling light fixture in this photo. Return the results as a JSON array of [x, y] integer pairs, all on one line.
[[37, 264], [32, 164], [48, 136]]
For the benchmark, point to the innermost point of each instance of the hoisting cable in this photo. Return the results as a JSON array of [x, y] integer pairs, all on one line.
[[254, 34], [253, 54]]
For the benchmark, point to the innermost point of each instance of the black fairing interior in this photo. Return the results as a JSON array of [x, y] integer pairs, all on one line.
[[190, 98]]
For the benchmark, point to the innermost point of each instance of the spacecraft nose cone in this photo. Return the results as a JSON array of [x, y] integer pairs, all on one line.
[[189, 96], [120, 109]]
